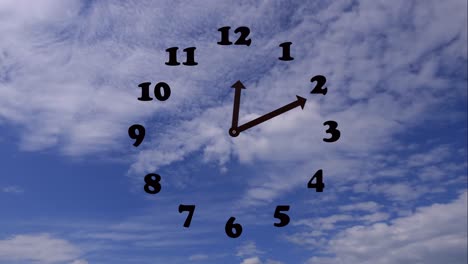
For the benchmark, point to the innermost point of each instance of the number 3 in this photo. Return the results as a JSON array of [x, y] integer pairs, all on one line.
[[335, 133]]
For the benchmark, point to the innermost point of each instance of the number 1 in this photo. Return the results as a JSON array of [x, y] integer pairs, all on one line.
[[286, 51]]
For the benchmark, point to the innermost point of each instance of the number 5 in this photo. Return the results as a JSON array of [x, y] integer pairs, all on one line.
[[284, 218]]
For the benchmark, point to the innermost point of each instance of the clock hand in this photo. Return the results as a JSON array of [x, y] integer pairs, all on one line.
[[238, 86], [299, 102]]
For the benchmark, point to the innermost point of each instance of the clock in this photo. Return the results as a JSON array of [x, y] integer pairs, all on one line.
[[162, 92]]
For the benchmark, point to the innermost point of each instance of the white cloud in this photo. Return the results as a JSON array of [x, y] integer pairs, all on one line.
[[198, 257], [83, 105], [23, 12], [79, 261], [375, 217], [364, 206], [248, 249], [254, 260], [432, 234], [42, 248], [323, 227], [12, 189], [325, 223], [399, 191], [432, 157], [269, 261], [203, 131], [257, 260], [69, 80]]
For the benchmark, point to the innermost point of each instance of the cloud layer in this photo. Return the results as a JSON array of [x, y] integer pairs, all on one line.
[[41, 248], [432, 234], [396, 76]]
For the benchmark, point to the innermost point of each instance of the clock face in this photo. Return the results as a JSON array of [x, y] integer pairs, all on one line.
[[162, 92], [251, 132]]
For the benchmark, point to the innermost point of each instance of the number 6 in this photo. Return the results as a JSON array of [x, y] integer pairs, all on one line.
[[230, 227]]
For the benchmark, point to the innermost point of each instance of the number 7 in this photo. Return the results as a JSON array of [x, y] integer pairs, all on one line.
[[187, 208]]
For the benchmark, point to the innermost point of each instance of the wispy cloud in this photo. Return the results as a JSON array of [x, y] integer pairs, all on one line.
[[42, 248], [396, 74], [12, 189], [407, 239]]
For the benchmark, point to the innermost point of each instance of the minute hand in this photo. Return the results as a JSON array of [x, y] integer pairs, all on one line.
[[238, 86], [299, 102]]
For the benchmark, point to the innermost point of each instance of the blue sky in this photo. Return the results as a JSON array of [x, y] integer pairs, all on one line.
[[71, 183]]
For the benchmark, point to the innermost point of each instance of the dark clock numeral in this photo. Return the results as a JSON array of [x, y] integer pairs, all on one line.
[[152, 185], [173, 56], [190, 57], [157, 91], [284, 218], [286, 51], [245, 31], [166, 89], [335, 133], [132, 132], [224, 36], [233, 230], [242, 40], [145, 96], [321, 80], [187, 208], [318, 185]]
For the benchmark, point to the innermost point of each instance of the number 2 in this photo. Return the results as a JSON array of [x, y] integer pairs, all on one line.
[[321, 80]]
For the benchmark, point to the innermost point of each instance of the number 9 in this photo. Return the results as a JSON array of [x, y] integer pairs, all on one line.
[[133, 135]]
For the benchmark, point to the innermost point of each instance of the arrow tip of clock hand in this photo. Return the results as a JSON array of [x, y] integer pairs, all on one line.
[[238, 85], [301, 101]]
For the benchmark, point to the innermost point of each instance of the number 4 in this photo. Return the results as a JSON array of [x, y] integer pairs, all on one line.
[[318, 185]]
